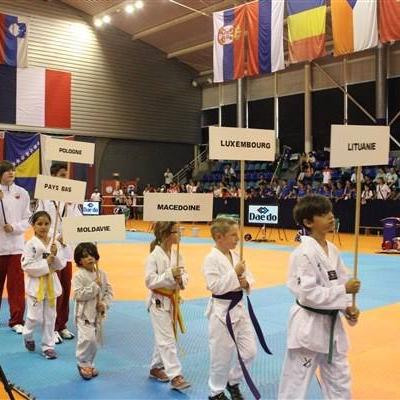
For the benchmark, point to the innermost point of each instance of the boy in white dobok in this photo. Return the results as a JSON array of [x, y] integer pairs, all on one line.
[[227, 277], [320, 283]]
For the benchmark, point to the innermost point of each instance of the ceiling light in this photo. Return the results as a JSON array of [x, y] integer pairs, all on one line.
[[98, 22], [106, 19], [139, 4], [129, 8]]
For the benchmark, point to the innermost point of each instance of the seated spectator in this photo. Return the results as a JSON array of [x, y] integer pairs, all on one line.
[[228, 174], [301, 190], [391, 178], [96, 195], [326, 190], [353, 177], [382, 189], [367, 193], [348, 192], [326, 175], [285, 189], [380, 174], [338, 191]]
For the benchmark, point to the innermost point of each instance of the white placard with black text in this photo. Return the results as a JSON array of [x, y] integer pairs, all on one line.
[[178, 207], [359, 145], [69, 151], [100, 228], [241, 144], [59, 189]]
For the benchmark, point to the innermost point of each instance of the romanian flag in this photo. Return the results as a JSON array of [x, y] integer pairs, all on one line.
[[229, 44], [23, 150], [35, 97], [264, 21], [389, 20], [306, 26], [13, 40], [354, 25]]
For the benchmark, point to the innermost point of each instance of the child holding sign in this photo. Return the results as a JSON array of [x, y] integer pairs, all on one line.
[[93, 295], [40, 260], [164, 276], [227, 277], [320, 283]]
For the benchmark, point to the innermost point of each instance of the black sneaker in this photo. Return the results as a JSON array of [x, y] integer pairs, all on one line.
[[30, 345], [219, 396], [235, 392]]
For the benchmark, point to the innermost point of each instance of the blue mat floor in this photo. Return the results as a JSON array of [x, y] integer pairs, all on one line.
[[123, 362]]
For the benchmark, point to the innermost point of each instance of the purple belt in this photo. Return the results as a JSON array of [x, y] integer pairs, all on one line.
[[235, 298]]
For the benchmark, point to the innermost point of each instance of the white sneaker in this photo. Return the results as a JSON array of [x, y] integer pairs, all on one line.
[[66, 334], [57, 338], [18, 328]]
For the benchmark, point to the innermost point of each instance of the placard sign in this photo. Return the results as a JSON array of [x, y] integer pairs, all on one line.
[[359, 145], [241, 144], [69, 151], [178, 207], [59, 189], [94, 229]]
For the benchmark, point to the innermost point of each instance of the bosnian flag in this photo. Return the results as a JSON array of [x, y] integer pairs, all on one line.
[[265, 36], [354, 25], [35, 97], [229, 44], [13, 40]]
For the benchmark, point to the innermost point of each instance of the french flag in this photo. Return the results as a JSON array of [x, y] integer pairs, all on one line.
[[13, 40], [229, 44], [265, 36], [35, 97]]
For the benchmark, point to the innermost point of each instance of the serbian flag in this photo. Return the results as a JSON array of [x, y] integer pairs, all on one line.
[[35, 97], [13, 40], [306, 27], [229, 44], [264, 21], [354, 25], [389, 20]]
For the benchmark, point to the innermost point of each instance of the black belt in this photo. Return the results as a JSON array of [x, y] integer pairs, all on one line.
[[333, 314], [235, 298]]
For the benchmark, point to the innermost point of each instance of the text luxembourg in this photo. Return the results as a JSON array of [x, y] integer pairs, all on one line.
[[178, 207], [247, 145], [361, 146]]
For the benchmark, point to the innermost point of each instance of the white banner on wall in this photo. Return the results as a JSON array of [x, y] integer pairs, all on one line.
[[359, 145], [178, 207], [241, 144]]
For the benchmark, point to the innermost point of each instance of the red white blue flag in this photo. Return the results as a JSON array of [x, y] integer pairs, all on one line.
[[229, 28], [264, 21], [14, 40]]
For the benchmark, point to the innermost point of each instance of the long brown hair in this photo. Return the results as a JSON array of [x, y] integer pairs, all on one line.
[[162, 229]]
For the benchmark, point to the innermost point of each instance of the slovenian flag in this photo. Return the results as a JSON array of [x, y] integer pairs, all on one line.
[[389, 20], [306, 28], [229, 44], [264, 21], [35, 97], [354, 25], [13, 40]]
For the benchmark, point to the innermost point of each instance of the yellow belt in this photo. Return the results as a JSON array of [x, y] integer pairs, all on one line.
[[46, 286], [175, 299]]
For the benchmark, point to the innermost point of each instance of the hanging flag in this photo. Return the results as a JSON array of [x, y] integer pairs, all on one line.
[[23, 150], [389, 20], [264, 22], [354, 25], [229, 44], [35, 97], [14, 40], [306, 27]]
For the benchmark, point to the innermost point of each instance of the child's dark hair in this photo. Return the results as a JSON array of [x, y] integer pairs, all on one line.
[[39, 214], [85, 249], [57, 167], [6, 166], [310, 206]]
